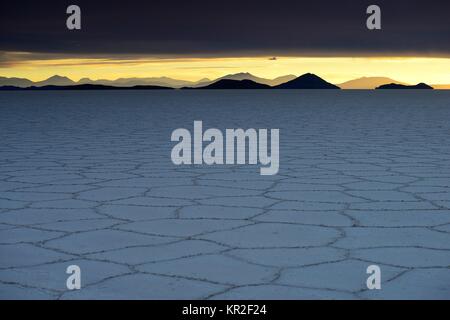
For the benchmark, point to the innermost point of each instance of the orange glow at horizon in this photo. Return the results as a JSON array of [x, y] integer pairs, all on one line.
[[334, 69]]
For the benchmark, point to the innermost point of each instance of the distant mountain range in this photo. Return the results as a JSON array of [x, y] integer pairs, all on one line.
[[131, 82], [249, 76], [121, 82], [306, 81], [84, 87]]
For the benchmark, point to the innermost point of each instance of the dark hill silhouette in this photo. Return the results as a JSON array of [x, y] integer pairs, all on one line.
[[85, 87], [367, 83], [234, 84], [307, 81], [10, 88], [401, 86]]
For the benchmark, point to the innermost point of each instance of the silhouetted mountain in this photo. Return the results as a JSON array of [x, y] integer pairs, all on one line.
[[400, 86], [55, 81], [280, 80], [85, 87], [15, 82], [307, 81], [200, 82], [131, 82], [367, 83], [234, 84], [249, 76]]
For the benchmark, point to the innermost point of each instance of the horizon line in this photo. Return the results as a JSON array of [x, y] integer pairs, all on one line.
[[212, 80], [337, 69]]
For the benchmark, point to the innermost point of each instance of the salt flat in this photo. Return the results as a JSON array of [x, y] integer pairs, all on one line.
[[86, 178]]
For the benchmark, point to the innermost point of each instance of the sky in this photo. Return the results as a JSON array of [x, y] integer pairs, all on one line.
[[207, 39]]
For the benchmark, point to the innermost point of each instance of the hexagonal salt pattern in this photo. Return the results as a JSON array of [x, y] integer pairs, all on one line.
[[86, 179]]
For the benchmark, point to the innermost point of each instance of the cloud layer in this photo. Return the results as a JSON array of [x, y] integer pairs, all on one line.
[[227, 28]]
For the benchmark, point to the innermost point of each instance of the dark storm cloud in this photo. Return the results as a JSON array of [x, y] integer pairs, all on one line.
[[226, 28]]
